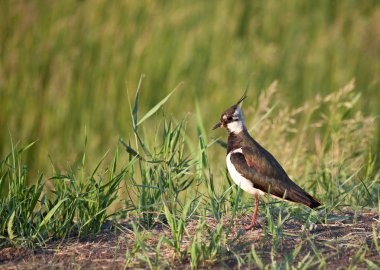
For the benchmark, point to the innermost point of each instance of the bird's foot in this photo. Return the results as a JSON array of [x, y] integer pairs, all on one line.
[[253, 225]]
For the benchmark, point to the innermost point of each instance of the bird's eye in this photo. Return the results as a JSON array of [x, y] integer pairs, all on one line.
[[229, 118]]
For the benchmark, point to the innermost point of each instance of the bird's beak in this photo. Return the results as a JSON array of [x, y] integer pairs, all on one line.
[[217, 126]]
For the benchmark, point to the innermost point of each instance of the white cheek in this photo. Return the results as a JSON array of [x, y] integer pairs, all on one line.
[[235, 126]]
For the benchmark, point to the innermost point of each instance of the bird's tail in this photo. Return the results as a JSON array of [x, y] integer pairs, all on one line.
[[303, 197], [313, 203]]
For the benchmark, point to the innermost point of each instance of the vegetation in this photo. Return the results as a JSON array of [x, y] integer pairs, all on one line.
[[67, 67], [69, 73], [169, 181]]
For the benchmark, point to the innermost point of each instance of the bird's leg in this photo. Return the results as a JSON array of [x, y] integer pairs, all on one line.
[[254, 222]]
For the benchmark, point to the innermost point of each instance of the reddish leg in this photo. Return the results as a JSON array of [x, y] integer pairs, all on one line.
[[254, 222]]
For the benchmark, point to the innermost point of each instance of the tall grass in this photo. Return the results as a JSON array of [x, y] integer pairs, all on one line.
[[65, 65], [174, 180]]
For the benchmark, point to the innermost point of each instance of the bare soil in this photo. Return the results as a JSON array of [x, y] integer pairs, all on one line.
[[345, 233]]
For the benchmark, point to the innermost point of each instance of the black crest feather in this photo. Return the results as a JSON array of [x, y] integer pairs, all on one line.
[[242, 98]]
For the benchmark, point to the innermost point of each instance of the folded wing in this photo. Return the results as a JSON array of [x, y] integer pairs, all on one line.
[[266, 174]]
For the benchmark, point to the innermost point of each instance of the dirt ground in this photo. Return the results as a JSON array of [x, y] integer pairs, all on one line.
[[337, 241]]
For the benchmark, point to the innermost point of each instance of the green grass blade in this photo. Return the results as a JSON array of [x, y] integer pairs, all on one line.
[[158, 106], [99, 163], [49, 215], [136, 104]]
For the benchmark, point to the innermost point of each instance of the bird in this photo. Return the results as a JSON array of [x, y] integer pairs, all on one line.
[[253, 168]]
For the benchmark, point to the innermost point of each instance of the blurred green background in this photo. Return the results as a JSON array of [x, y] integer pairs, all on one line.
[[68, 66]]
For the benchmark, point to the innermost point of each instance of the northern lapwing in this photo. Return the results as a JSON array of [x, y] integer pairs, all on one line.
[[253, 168]]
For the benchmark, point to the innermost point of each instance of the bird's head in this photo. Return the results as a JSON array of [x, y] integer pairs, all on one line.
[[232, 118]]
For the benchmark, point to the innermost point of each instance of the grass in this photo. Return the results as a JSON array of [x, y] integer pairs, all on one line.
[[176, 207], [127, 172], [65, 205], [67, 67]]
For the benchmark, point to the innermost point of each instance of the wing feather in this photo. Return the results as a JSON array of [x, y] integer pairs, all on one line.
[[268, 176]]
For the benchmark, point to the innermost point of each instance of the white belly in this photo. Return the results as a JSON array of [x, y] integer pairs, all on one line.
[[240, 180]]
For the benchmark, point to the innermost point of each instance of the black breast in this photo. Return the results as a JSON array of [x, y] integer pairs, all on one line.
[[234, 141]]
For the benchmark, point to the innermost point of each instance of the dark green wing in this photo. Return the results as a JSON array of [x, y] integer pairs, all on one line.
[[268, 176]]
